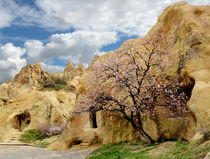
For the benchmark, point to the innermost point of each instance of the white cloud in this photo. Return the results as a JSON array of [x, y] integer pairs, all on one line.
[[77, 47], [6, 17], [132, 17], [11, 61], [52, 68]]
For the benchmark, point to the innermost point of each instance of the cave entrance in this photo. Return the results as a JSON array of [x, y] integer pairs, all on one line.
[[93, 120], [188, 88], [21, 121]]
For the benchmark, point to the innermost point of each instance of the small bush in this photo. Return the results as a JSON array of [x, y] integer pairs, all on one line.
[[56, 83], [31, 136], [47, 130], [59, 80], [58, 87]]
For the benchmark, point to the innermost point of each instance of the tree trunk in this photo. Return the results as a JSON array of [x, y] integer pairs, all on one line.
[[148, 139], [138, 126]]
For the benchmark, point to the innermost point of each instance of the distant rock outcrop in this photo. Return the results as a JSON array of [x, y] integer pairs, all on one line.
[[80, 69], [31, 75], [69, 72]]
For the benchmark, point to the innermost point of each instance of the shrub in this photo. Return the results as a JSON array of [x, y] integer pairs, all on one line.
[[56, 83], [31, 136], [59, 80], [47, 130]]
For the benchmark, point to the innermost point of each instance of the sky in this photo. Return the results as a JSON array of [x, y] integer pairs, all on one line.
[[53, 32]]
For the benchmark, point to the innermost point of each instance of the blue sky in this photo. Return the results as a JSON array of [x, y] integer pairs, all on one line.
[[53, 32]]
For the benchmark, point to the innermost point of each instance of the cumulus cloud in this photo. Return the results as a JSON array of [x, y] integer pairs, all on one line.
[[11, 61], [52, 68], [6, 17], [132, 17], [77, 47]]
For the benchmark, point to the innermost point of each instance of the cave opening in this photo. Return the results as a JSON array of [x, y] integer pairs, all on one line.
[[93, 120], [187, 89], [22, 121]]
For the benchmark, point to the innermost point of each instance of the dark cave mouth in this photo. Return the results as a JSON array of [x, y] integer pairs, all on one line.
[[22, 121]]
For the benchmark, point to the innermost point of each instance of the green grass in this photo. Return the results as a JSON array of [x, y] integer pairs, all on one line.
[[186, 151], [43, 144], [58, 87], [138, 150], [32, 136], [123, 150]]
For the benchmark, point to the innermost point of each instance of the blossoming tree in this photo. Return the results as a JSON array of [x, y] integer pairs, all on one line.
[[130, 81]]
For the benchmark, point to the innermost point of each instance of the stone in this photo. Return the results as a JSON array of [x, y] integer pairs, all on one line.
[[207, 156], [198, 137]]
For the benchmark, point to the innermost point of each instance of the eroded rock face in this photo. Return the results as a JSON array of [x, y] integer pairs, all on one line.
[[25, 104], [31, 75], [110, 127], [80, 69], [78, 131], [200, 100], [69, 72], [187, 30], [32, 108]]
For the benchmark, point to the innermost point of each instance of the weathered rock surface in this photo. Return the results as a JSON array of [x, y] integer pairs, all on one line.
[[189, 27], [31, 75], [25, 104], [112, 128], [69, 72]]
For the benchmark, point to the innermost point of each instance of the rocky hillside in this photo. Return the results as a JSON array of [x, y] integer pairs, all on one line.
[[35, 97]]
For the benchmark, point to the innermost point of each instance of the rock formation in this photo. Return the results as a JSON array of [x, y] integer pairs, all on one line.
[[31, 75], [69, 72], [25, 104]]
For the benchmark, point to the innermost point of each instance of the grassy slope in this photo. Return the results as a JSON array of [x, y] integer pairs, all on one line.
[[33, 137], [138, 150]]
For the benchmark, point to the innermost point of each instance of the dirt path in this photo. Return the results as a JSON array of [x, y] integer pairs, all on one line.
[[27, 152]]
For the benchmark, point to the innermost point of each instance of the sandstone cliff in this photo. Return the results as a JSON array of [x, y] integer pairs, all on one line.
[[25, 103]]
